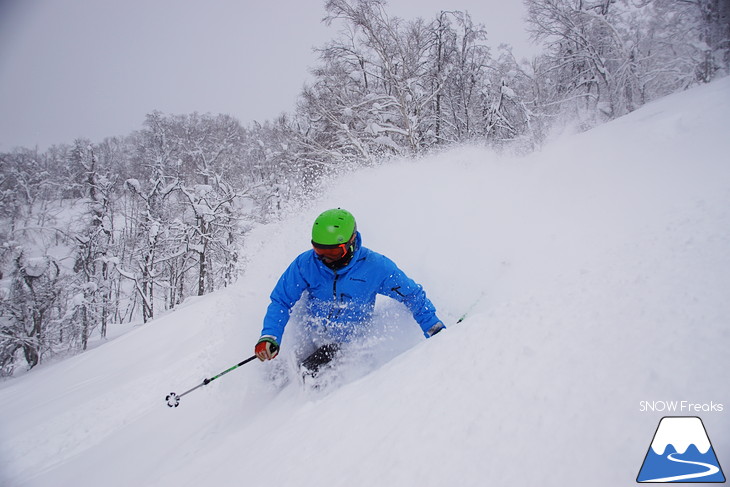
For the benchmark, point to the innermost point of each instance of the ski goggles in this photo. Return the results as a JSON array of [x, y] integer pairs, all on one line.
[[331, 252]]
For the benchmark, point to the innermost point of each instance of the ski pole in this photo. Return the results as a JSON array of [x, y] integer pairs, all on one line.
[[173, 400], [504, 267], [471, 308]]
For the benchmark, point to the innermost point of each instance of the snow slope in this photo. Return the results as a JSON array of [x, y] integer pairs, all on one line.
[[596, 274]]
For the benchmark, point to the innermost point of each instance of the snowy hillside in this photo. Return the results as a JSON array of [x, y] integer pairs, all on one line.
[[596, 275]]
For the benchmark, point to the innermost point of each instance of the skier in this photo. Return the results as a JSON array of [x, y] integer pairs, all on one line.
[[341, 278]]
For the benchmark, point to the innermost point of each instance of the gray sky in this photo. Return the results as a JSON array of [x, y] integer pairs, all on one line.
[[95, 68]]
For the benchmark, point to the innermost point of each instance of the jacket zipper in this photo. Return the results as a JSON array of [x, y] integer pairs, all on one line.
[[334, 310], [334, 287]]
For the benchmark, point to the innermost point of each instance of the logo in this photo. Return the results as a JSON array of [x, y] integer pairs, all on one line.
[[681, 452]]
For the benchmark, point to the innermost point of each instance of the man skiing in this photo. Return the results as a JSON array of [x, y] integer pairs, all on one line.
[[342, 279]]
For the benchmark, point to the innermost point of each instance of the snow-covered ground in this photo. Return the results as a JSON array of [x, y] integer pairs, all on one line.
[[596, 274]]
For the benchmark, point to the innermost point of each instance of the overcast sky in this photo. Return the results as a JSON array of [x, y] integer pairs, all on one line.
[[95, 68]]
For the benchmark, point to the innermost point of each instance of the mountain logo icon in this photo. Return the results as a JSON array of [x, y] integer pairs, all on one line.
[[680, 452]]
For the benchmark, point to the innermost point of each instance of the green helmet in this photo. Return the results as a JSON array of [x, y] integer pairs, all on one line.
[[333, 227]]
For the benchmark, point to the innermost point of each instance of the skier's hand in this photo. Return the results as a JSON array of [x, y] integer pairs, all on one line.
[[435, 329], [266, 348]]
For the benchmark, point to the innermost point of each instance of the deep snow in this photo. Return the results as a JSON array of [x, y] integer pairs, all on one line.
[[596, 272]]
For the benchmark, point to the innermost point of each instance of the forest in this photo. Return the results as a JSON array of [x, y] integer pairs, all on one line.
[[94, 234]]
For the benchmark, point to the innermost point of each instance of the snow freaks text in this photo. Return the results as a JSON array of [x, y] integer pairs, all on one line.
[[680, 407]]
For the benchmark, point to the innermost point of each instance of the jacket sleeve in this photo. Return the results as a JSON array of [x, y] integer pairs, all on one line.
[[402, 288], [286, 293]]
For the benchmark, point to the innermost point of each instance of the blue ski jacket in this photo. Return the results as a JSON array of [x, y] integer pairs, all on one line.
[[342, 302]]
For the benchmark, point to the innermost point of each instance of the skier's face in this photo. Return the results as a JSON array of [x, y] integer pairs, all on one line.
[[331, 254], [335, 256]]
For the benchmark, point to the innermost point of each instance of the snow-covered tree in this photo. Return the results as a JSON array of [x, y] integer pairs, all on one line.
[[152, 216], [210, 235], [152, 222], [607, 57], [371, 95], [27, 186], [459, 72], [282, 165], [26, 312], [95, 260], [508, 103], [587, 55]]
